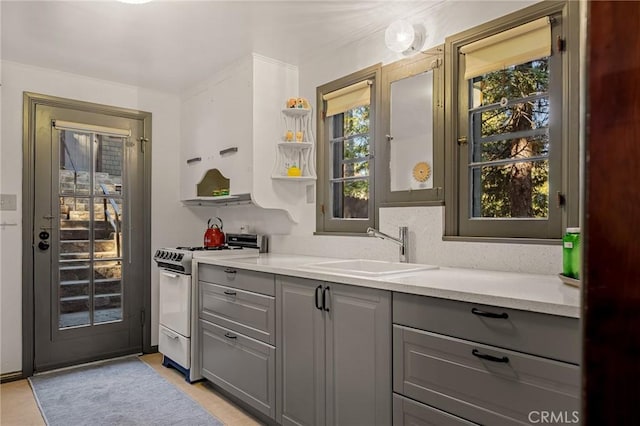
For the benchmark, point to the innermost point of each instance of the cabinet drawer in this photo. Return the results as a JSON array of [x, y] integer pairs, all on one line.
[[240, 365], [407, 412], [481, 383], [174, 346], [258, 282], [251, 314], [540, 334]]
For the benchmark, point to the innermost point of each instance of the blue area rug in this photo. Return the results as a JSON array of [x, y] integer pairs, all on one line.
[[125, 391]]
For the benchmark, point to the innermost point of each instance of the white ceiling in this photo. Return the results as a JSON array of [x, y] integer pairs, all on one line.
[[173, 45]]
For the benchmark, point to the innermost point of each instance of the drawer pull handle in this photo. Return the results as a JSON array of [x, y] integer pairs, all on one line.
[[488, 357], [194, 160], [169, 334], [502, 315], [229, 150], [230, 336], [324, 299], [230, 293], [230, 271], [168, 274], [318, 297]]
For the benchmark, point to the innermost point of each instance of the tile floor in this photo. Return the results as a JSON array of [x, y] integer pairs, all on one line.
[[18, 406]]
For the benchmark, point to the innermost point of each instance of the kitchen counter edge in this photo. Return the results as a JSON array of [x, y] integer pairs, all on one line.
[[506, 289]]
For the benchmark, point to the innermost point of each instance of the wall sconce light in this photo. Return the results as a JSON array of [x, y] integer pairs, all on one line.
[[402, 37]]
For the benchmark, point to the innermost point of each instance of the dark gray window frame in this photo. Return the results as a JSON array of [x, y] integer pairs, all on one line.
[[565, 156], [429, 60], [324, 221]]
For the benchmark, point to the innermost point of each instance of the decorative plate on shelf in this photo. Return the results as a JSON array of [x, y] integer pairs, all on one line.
[[421, 171]]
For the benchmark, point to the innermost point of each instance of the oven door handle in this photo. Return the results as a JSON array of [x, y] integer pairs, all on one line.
[[168, 274], [169, 334]]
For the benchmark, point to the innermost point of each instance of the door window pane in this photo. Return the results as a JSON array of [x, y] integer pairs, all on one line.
[[74, 283], [75, 162], [90, 229], [108, 165], [107, 291]]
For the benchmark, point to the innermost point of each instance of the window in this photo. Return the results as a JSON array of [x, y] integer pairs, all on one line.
[[346, 145], [513, 121]]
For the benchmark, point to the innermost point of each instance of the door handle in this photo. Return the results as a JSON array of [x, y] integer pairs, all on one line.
[[502, 315], [317, 297], [43, 245], [324, 299], [167, 274], [488, 357], [169, 334]]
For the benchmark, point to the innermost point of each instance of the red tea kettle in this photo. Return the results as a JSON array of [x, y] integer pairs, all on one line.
[[214, 237]]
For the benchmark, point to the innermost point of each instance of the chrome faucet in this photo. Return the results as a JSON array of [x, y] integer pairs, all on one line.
[[402, 240]]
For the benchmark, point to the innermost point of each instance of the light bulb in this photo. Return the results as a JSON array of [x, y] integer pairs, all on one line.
[[399, 36]]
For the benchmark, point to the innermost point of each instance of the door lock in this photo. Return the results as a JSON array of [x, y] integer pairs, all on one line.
[[43, 245], [43, 235]]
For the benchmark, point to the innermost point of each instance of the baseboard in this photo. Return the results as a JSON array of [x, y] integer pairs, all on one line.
[[12, 377], [249, 410]]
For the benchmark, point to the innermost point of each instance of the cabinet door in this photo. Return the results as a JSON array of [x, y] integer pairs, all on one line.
[[242, 366], [412, 158], [300, 332], [358, 351]]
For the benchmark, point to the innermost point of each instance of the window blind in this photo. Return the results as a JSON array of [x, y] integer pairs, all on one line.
[[347, 98], [512, 47], [90, 128]]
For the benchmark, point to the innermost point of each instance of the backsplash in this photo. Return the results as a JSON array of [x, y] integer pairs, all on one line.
[[426, 245]]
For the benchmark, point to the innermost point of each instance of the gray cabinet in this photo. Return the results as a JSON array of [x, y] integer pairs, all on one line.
[[242, 366], [236, 334], [408, 412], [482, 364], [334, 354]]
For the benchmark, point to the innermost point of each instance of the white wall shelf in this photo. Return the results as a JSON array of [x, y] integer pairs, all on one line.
[[294, 178], [296, 147]]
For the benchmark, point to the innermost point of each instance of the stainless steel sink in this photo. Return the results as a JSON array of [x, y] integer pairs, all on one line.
[[369, 268]]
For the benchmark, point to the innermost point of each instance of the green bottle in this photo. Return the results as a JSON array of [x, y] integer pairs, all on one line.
[[571, 253]]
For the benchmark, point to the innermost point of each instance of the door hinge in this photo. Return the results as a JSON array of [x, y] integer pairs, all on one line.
[[561, 200], [142, 317], [143, 144], [561, 44], [322, 208], [462, 141]]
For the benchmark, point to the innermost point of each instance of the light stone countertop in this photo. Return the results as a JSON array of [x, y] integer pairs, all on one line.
[[529, 292]]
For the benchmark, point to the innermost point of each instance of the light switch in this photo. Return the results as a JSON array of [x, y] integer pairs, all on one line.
[[311, 194], [8, 202]]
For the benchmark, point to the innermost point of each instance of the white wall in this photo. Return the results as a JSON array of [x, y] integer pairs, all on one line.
[[425, 223], [170, 221]]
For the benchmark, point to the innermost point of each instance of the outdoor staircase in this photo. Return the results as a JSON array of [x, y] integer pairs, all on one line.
[[75, 267]]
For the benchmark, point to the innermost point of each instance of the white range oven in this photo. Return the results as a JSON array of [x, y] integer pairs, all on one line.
[[178, 297]]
